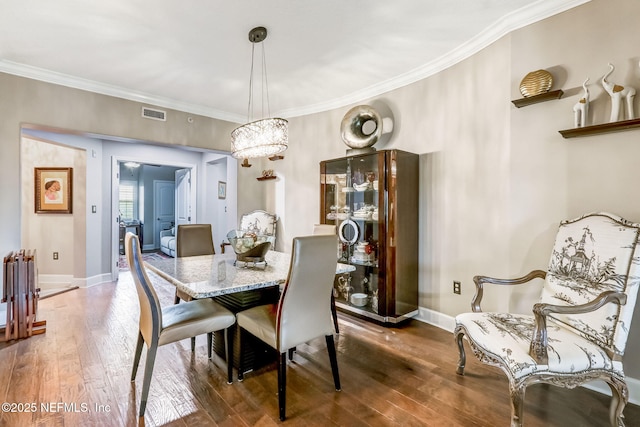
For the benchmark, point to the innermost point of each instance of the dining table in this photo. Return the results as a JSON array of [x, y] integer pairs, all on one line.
[[208, 276], [237, 286]]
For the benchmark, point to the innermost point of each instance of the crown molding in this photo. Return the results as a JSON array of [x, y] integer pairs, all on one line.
[[48, 76], [521, 18]]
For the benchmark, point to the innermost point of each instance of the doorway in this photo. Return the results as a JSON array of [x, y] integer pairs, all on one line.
[[155, 205], [96, 215]]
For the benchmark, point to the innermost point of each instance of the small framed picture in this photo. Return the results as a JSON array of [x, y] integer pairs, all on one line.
[[222, 190], [53, 190]]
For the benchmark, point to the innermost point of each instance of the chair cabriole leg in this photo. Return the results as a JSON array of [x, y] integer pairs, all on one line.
[[517, 404], [619, 398], [463, 358]]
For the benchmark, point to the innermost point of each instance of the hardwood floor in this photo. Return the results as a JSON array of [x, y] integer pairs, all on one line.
[[78, 373]]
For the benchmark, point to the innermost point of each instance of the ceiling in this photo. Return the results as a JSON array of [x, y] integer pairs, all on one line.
[[195, 55]]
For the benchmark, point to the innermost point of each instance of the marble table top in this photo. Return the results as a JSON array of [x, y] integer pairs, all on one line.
[[213, 275]]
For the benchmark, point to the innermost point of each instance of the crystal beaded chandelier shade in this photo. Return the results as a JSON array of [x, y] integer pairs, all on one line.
[[264, 137]]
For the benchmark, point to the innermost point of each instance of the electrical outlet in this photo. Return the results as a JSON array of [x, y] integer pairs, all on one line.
[[456, 287], [55, 255]]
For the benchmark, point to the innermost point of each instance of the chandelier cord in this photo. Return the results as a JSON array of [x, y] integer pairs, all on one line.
[[265, 83], [249, 109], [264, 87]]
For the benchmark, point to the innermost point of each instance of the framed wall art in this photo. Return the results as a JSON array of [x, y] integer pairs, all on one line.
[[222, 190], [53, 190]]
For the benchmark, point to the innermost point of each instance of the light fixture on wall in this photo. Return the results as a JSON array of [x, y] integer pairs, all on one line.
[[132, 165], [266, 136]]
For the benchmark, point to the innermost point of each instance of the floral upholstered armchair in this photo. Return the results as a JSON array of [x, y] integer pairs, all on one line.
[[578, 331], [258, 222]]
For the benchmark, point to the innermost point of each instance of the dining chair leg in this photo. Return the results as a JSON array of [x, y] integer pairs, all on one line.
[[334, 314], [136, 357], [148, 371], [228, 346], [282, 384], [331, 348], [291, 351], [209, 344], [176, 299], [193, 344], [240, 356]]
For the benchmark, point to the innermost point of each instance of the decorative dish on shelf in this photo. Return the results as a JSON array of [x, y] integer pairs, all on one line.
[[365, 212], [362, 187], [359, 299], [266, 174], [536, 83]]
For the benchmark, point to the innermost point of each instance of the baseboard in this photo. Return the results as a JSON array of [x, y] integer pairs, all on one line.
[[448, 323], [50, 281], [435, 318]]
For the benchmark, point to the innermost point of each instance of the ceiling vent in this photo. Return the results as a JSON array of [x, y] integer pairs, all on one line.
[[150, 113]]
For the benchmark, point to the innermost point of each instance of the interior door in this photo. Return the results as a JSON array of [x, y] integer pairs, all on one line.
[[163, 208], [183, 196]]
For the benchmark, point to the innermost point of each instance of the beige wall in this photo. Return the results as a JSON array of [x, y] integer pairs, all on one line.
[[26, 101], [48, 233], [495, 180]]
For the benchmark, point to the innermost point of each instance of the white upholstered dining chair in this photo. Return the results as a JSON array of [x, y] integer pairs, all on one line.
[[163, 325], [578, 331], [330, 229], [303, 311]]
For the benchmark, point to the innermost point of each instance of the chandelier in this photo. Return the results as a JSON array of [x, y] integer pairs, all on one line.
[[264, 137]]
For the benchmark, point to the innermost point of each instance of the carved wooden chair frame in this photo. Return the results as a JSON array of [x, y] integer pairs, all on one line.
[[536, 328]]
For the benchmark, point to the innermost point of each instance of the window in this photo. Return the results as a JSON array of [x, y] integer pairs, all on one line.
[[127, 199]]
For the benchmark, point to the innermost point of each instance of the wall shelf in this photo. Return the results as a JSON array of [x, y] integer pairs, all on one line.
[[264, 178], [603, 128], [543, 97]]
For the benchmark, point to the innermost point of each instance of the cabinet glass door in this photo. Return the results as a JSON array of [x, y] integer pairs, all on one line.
[[352, 199]]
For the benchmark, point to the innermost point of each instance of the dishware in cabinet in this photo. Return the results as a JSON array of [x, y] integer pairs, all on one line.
[[372, 199]]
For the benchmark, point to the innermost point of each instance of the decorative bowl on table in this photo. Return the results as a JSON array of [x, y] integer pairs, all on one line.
[[250, 247]]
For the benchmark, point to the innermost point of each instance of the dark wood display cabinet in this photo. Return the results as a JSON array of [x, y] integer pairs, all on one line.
[[372, 199]]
